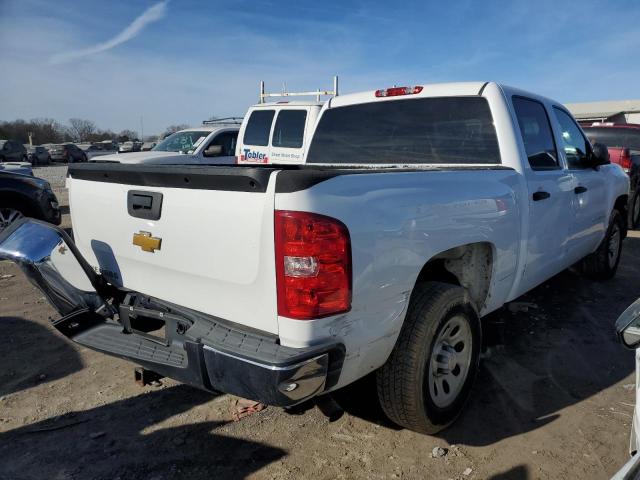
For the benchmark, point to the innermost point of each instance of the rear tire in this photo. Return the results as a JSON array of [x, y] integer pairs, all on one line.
[[603, 263], [634, 210], [426, 381]]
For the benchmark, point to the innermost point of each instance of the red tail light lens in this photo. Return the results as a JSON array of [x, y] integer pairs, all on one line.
[[313, 265], [397, 91], [625, 160]]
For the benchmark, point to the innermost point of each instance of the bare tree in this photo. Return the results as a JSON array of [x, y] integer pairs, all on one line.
[[42, 130], [81, 129], [173, 129], [127, 136]]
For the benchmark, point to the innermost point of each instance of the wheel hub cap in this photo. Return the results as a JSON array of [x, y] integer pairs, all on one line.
[[450, 361], [8, 216]]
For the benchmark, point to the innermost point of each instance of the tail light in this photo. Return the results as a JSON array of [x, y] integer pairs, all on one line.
[[625, 160], [397, 91], [313, 265]]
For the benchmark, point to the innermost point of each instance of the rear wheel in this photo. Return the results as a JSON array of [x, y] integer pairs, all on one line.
[[8, 215], [603, 263], [426, 381]]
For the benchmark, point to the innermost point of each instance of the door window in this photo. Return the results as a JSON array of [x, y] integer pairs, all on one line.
[[258, 128], [537, 137], [289, 129], [227, 141], [576, 146]]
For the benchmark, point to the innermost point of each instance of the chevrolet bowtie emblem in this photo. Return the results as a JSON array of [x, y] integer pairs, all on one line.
[[146, 242]]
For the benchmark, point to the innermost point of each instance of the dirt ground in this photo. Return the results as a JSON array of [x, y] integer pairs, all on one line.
[[553, 400]]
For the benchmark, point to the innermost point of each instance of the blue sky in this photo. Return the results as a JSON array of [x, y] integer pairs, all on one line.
[[187, 60]]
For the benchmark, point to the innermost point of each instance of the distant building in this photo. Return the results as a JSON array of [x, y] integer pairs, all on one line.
[[617, 111]]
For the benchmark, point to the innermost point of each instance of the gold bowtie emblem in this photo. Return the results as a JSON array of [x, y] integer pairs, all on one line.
[[146, 242]]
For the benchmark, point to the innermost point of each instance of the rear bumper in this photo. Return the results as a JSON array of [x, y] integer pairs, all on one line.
[[194, 348], [207, 352]]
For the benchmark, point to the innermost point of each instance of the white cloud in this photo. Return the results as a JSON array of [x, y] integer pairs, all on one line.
[[150, 15]]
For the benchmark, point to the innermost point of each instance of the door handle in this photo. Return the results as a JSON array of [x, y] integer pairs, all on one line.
[[537, 196], [580, 189]]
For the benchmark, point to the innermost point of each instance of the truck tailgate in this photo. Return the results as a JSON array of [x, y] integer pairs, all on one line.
[[216, 252]]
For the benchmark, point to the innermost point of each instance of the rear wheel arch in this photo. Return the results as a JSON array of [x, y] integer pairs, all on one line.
[[469, 266], [621, 204], [19, 202]]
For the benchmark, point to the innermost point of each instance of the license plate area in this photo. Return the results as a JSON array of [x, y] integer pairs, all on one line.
[[157, 326]]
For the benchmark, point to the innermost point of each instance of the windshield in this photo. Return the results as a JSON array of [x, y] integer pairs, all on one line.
[[615, 137], [183, 142]]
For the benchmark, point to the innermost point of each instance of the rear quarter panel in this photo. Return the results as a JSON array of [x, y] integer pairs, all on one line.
[[397, 222]]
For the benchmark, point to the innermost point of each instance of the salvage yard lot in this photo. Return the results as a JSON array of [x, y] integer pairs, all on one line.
[[554, 399]]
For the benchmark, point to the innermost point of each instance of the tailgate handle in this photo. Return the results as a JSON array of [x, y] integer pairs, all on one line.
[[144, 204]]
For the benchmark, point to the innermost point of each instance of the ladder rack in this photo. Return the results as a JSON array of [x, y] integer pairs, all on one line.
[[223, 121], [318, 93]]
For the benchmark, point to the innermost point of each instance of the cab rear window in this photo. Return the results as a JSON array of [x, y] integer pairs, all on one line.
[[289, 129], [425, 130], [258, 128]]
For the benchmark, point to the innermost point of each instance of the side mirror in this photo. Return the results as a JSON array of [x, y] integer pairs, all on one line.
[[628, 326], [599, 155], [213, 151]]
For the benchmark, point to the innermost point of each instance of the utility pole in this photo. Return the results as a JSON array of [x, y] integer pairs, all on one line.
[[141, 129]]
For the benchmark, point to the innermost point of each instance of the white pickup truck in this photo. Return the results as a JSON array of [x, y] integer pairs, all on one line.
[[214, 142], [419, 210]]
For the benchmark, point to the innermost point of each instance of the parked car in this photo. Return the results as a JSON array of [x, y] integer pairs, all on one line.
[[208, 144], [67, 153], [628, 330], [26, 196], [97, 150], [38, 155], [125, 147], [16, 167], [146, 146], [418, 211], [623, 141], [11, 151]]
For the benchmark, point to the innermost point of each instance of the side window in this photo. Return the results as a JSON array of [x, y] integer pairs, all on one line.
[[289, 129], [536, 134], [576, 147], [258, 128], [228, 142]]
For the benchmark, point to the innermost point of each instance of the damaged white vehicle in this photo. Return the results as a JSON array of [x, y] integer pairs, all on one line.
[[417, 210]]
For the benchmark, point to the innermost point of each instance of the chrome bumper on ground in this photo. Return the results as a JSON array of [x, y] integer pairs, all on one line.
[[197, 349]]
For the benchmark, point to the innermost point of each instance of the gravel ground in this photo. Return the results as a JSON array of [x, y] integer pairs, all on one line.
[[553, 399], [54, 174]]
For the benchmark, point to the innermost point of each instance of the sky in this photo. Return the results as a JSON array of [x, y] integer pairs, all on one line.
[[182, 61]]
